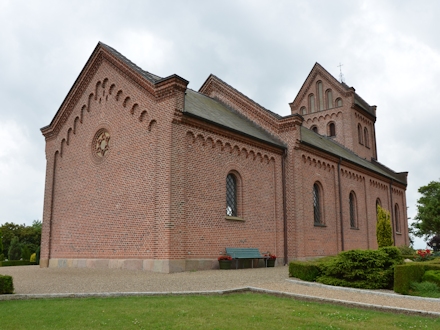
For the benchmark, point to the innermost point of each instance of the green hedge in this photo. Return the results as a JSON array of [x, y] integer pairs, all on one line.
[[304, 270], [411, 272], [6, 284], [16, 263], [432, 276]]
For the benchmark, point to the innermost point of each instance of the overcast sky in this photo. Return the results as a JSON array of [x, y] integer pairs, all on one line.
[[390, 51]]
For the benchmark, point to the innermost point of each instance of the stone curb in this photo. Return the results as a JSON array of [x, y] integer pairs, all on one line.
[[363, 291], [221, 292]]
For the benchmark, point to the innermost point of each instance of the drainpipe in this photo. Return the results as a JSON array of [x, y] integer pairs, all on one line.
[[392, 212], [340, 204], [283, 174]]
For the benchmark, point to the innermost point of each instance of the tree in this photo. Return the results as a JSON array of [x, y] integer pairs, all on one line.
[[27, 235], [14, 252], [428, 211], [1, 247], [384, 233]]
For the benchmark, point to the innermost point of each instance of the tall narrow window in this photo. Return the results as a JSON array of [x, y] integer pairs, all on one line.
[[320, 96], [317, 216], [339, 102], [366, 137], [312, 103], [303, 111], [329, 96], [353, 211], [331, 129], [231, 195], [378, 203], [360, 134], [397, 217]]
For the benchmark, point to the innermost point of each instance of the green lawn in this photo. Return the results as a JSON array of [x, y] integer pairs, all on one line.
[[233, 311]]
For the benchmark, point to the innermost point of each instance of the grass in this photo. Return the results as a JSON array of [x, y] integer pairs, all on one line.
[[233, 311]]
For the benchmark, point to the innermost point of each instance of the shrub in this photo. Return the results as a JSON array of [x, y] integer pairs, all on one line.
[[432, 276], [384, 232], [16, 263], [406, 250], [405, 274], [33, 257], [38, 255], [367, 269], [2, 257], [306, 271], [14, 252], [425, 289], [25, 253], [6, 284]]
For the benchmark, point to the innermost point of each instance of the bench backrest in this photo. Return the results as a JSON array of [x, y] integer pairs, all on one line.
[[243, 253]]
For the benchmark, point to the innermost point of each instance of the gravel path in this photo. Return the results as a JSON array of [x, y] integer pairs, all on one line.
[[32, 280]]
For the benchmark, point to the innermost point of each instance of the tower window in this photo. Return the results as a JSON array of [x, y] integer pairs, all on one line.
[[312, 103], [331, 129], [360, 133]]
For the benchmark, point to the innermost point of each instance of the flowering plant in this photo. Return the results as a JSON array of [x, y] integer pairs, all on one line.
[[423, 255], [224, 258], [270, 256]]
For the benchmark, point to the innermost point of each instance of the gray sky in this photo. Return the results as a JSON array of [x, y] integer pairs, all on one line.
[[390, 51]]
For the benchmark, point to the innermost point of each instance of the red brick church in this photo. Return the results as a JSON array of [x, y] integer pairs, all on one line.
[[144, 173]]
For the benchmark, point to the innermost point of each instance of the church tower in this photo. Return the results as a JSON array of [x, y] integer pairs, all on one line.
[[333, 109]]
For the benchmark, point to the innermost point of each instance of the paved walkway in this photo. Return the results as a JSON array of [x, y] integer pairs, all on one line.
[[32, 282]]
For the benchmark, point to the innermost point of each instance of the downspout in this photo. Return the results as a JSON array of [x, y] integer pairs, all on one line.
[[340, 204], [392, 212], [283, 174]]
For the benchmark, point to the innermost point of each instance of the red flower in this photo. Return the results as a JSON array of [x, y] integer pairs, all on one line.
[[270, 256], [224, 258]]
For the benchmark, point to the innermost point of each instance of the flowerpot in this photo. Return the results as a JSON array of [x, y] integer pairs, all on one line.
[[225, 264], [271, 262]]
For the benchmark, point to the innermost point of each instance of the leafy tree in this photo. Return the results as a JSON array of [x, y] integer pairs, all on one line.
[[27, 235], [14, 252], [384, 232], [2, 256], [428, 211]]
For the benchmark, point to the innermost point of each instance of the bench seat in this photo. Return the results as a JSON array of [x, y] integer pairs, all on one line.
[[244, 253]]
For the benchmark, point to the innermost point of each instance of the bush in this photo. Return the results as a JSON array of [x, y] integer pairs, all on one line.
[[366, 269], [306, 271], [432, 276], [25, 253], [6, 284], [384, 233], [33, 257], [406, 250], [14, 252], [38, 255], [2, 257], [425, 289]]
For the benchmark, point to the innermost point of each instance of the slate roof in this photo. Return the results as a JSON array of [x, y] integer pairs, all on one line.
[[147, 75], [211, 110], [328, 145]]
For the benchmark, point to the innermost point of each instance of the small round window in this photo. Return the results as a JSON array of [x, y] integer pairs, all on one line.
[[101, 144]]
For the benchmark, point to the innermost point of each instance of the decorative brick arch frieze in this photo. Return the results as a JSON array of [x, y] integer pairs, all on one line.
[[323, 117], [397, 191], [363, 119], [101, 94], [236, 149], [317, 162], [352, 175], [378, 185]]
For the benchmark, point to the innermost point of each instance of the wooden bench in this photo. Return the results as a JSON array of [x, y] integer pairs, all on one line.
[[244, 253]]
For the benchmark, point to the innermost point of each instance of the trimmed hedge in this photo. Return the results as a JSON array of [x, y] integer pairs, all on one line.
[[6, 284], [16, 263], [411, 272], [304, 270]]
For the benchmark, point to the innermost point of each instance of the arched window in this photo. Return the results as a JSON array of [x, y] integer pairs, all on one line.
[[317, 214], [353, 210], [366, 138], [339, 102], [331, 129], [378, 203], [397, 217], [314, 129], [360, 134], [312, 103], [231, 195], [320, 96], [329, 96], [303, 111]]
